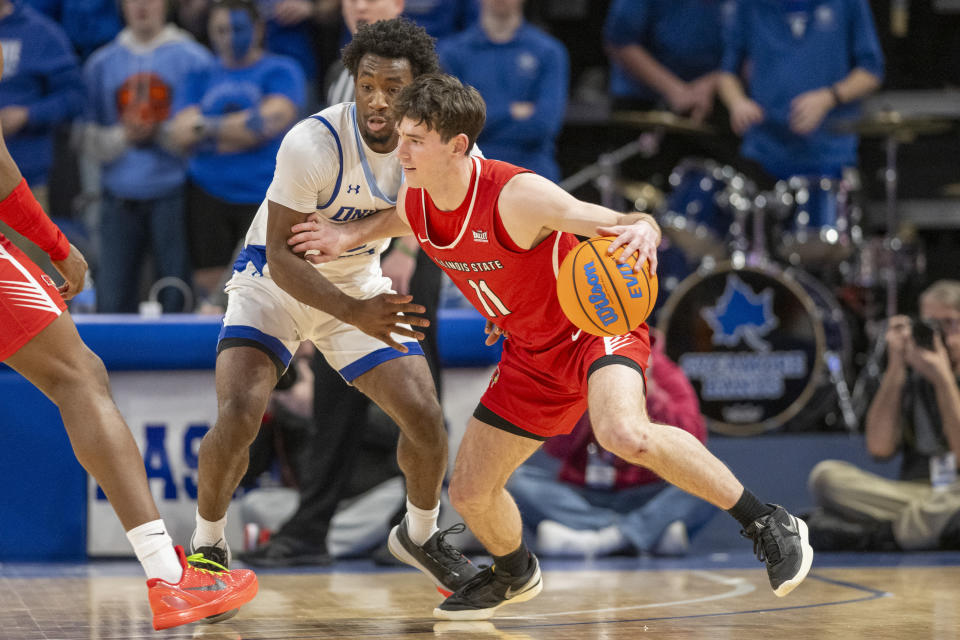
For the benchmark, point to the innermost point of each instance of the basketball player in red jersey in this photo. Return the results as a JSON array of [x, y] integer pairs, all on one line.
[[500, 233], [39, 340]]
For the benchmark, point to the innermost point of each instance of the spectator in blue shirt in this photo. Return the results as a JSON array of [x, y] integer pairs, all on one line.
[[791, 70], [523, 74], [665, 52], [41, 89], [130, 85], [442, 18], [232, 118], [88, 24]]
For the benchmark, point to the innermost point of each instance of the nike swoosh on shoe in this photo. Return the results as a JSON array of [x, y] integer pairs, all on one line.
[[220, 585]]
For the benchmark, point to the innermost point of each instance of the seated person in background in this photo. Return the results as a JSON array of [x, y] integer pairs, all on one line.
[[523, 74], [665, 52], [600, 504], [231, 118], [916, 411], [793, 70]]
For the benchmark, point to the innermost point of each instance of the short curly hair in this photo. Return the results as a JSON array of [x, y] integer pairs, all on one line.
[[396, 38]]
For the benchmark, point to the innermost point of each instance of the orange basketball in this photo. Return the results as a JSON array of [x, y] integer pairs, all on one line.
[[601, 296]]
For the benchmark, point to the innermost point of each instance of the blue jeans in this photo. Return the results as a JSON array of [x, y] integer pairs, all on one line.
[[128, 230], [640, 513]]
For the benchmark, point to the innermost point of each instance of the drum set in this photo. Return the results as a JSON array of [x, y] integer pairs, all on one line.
[[750, 279]]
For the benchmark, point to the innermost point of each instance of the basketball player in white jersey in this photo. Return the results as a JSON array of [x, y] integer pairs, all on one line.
[[338, 164]]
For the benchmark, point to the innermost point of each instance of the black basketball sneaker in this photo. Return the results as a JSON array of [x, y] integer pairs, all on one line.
[[782, 541], [438, 559], [489, 590]]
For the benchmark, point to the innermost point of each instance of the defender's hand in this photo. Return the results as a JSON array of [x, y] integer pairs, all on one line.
[[639, 238], [73, 268], [324, 240], [383, 314]]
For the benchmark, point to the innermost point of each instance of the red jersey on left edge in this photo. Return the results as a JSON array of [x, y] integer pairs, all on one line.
[[516, 289]]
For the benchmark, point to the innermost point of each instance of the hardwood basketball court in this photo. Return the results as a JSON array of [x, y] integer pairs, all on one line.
[[846, 596]]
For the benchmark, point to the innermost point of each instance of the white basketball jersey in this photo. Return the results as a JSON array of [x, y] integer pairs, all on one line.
[[325, 166]]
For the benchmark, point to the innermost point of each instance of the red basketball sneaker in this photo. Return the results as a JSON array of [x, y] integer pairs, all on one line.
[[201, 593]]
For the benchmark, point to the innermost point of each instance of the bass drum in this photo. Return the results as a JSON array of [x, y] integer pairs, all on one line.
[[754, 342]]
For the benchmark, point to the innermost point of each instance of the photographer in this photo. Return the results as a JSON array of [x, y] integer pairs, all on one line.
[[915, 411]]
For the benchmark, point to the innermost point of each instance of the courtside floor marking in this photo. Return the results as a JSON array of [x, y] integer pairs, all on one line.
[[740, 587], [871, 594]]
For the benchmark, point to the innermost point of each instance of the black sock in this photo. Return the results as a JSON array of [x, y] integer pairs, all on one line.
[[748, 509], [514, 563]]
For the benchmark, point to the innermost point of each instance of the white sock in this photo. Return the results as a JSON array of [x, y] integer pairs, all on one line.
[[209, 534], [421, 523], [154, 550]]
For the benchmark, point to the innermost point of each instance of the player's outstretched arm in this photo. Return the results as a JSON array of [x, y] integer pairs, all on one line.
[[326, 240], [532, 207], [380, 316]]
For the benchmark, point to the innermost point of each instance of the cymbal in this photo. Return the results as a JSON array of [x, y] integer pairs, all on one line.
[[893, 123], [643, 195], [663, 120]]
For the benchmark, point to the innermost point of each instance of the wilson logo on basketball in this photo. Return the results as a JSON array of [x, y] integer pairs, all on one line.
[[598, 297]]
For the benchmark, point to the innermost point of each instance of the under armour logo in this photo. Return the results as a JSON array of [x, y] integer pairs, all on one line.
[[353, 188]]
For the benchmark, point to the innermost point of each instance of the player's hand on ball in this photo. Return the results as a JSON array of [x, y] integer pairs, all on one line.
[[383, 315], [639, 238], [319, 240]]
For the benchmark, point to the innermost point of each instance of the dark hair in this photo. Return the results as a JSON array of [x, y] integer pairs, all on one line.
[[444, 104], [230, 5], [395, 38]]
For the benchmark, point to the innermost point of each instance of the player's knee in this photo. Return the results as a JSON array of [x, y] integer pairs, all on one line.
[[424, 427], [81, 374], [238, 420], [467, 497], [626, 439]]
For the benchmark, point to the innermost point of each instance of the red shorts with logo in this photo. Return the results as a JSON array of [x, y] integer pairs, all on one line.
[[543, 394], [29, 299]]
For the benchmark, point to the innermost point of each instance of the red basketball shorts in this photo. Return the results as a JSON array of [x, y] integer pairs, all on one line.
[[29, 299], [543, 394]]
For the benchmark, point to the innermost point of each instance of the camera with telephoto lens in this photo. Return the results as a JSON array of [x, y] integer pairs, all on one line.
[[923, 333]]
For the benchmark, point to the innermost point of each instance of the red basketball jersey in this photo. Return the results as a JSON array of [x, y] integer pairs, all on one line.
[[515, 288]]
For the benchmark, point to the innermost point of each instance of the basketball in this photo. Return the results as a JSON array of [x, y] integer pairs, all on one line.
[[601, 296]]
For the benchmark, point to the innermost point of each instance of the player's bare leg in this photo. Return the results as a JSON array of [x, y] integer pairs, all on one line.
[[404, 389], [245, 377], [58, 363], [619, 418], [486, 459]]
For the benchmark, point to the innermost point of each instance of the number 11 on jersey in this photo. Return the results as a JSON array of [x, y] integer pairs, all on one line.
[[488, 297]]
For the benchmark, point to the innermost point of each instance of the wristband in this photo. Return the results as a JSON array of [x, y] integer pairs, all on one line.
[[24, 214]]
